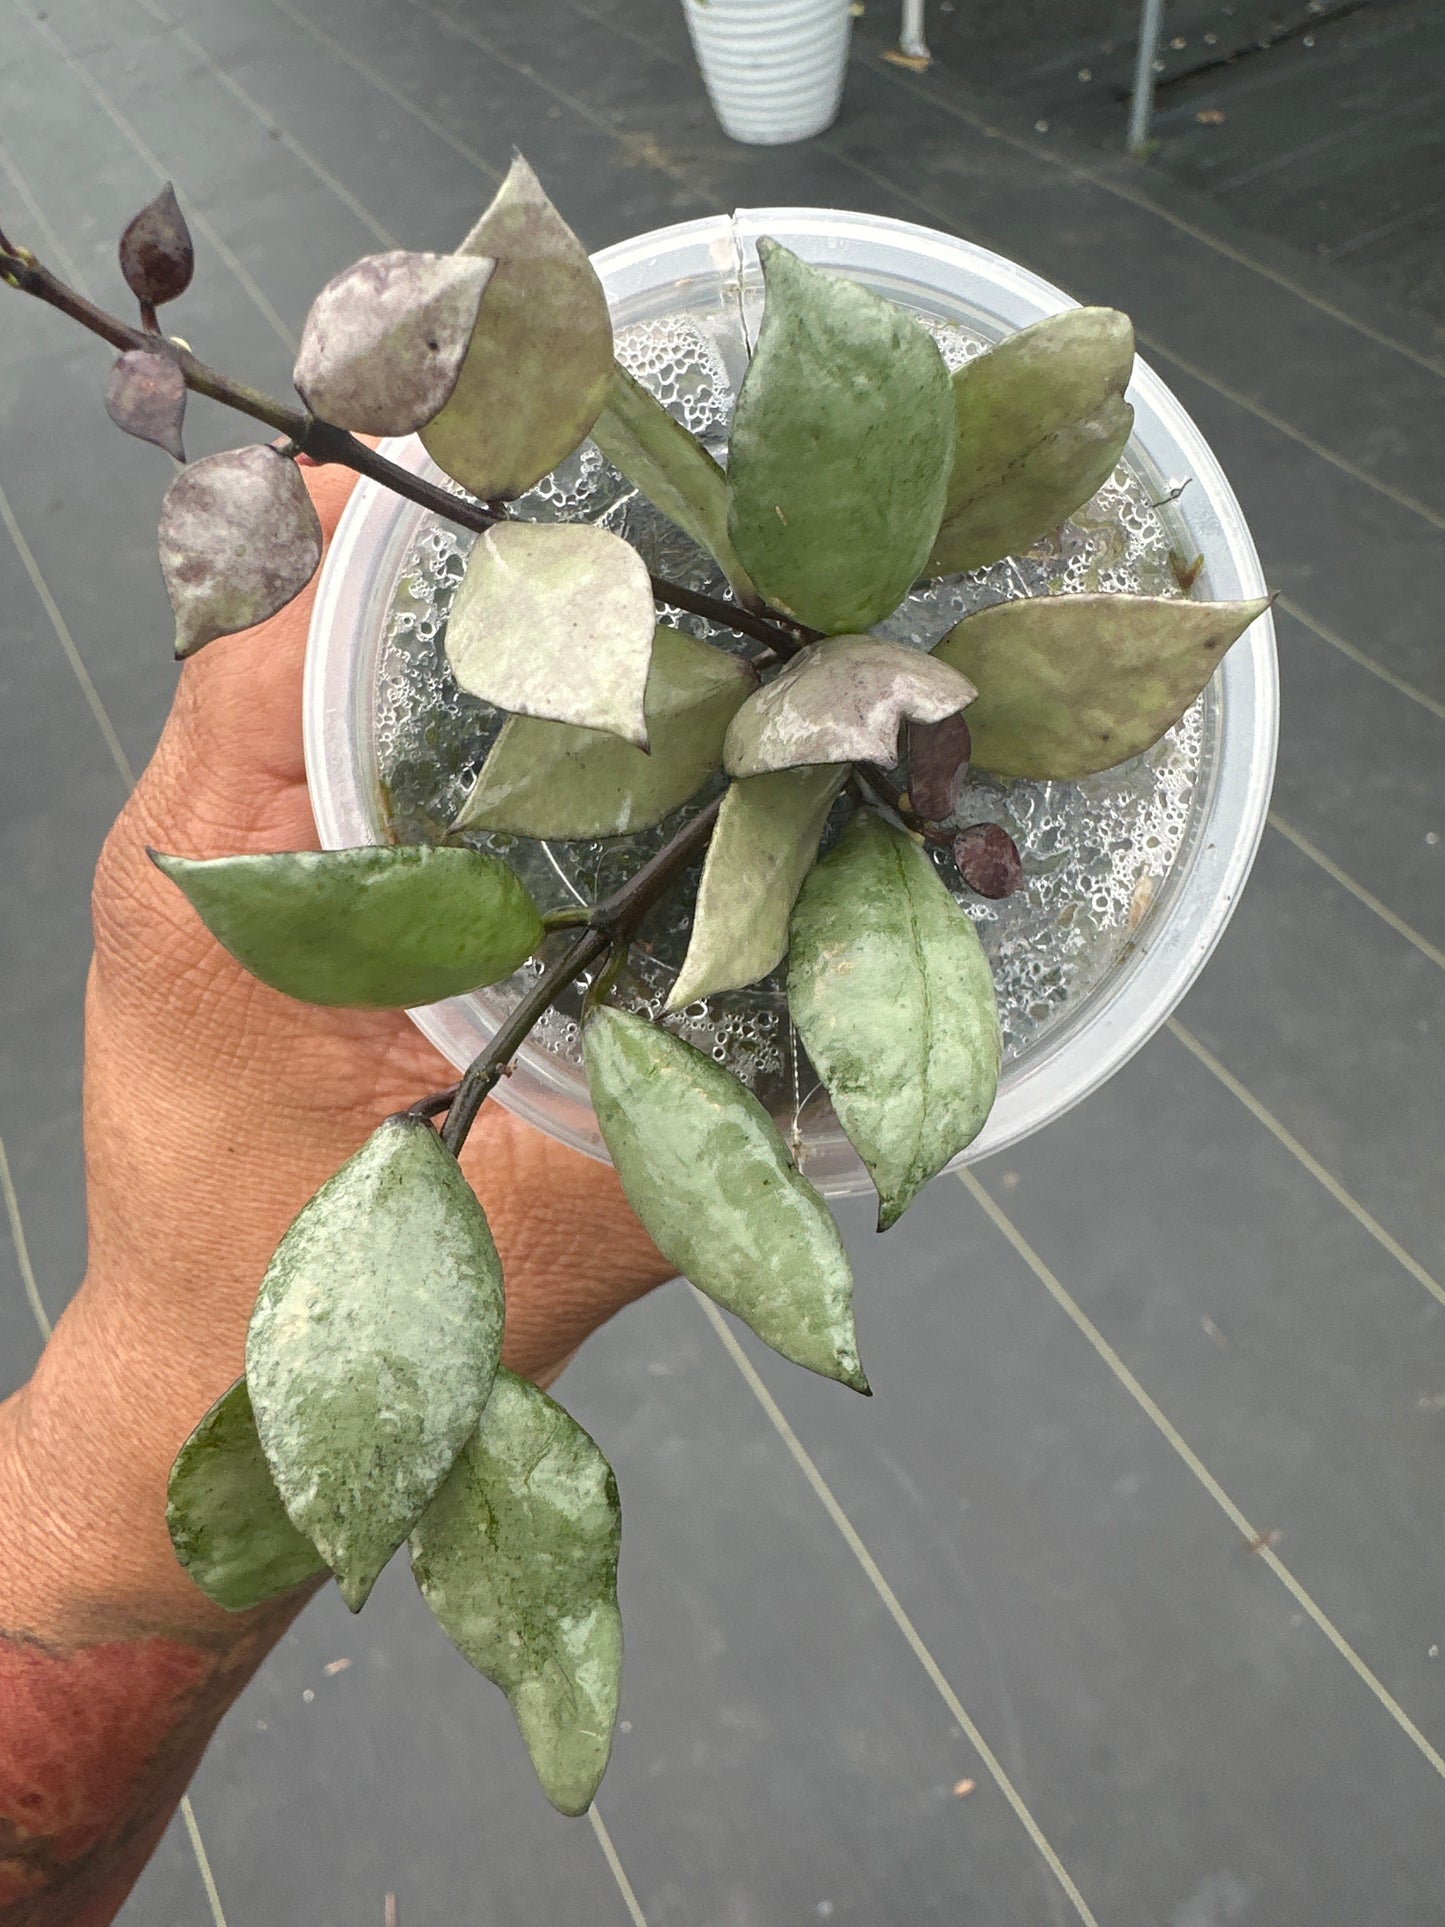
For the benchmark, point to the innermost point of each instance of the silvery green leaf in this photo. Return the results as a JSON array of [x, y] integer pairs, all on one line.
[[672, 469], [225, 1517], [555, 619], [540, 361], [840, 448], [385, 339], [156, 254], [376, 928], [763, 846], [842, 701], [1041, 422], [146, 396], [517, 1558], [893, 998], [1070, 684], [704, 1168], [556, 780], [373, 1347], [238, 538]]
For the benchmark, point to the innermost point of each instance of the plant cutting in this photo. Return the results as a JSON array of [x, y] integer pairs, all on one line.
[[802, 774]]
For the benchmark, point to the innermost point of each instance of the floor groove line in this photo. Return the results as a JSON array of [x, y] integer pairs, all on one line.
[[803, 1459], [1357, 890], [1166, 1427], [185, 38], [1311, 1163], [619, 1872], [364, 71]]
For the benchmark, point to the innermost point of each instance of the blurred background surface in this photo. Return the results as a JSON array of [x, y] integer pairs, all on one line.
[[1121, 1601]]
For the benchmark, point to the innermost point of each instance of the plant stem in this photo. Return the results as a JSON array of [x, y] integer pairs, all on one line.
[[612, 923], [324, 442], [483, 1072]]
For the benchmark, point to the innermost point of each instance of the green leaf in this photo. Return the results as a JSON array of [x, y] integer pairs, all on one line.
[[1070, 684], [373, 1347], [226, 1520], [555, 620], [517, 1558], [239, 538], [1041, 422], [840, 449], [555, 780], [893, 998], [375, 928], [764, 845], [672, 469], [383, 344], [842, 701], [540, 361], [704, 1168]]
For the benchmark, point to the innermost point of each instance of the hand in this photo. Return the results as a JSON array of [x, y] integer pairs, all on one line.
[[214, 1107]]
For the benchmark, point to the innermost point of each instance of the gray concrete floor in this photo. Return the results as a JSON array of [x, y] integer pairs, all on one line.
[[1203, 1309]]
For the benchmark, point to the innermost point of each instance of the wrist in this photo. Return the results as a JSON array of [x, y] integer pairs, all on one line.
[[85, 1453]]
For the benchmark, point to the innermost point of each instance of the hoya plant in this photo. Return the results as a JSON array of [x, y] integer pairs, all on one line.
[[374, 1411]]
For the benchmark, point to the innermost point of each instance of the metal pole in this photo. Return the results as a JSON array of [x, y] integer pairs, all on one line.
[[910, 38], [1151, 25]]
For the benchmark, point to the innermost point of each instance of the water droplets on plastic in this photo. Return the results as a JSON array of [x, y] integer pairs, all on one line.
[[1095, 853]]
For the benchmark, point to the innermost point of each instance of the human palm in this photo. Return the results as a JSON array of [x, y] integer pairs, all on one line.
[[214, 1106]]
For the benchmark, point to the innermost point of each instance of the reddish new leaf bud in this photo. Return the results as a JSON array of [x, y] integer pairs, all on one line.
[[938, 756], [156, 255], [988, 860]]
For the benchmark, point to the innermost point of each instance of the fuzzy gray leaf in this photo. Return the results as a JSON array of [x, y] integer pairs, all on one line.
[[146, 396], [517, 1558], [842, 701], [225, 1517], [840, 448], [540, 361], [893, 998], [764, 845], [1040, 423], [1071, 684], [703, 1166], [673, 470], [555, 780], [239, 538], [373, 1347], [556, 619], [385, 340]]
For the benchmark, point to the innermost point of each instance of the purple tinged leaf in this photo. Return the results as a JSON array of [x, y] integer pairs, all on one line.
[[938, 756], [146, 396], [386, 338], [842, 701], [156, 254], [988, 860], [239, 538]]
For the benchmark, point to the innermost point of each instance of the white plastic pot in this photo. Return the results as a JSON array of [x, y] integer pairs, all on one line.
[[709, 271], [773, 69]]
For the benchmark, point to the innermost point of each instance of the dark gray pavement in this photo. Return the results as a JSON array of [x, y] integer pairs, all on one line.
[[993, 1648]]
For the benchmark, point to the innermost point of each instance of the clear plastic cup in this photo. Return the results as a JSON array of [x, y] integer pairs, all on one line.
[[1134, 876]]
